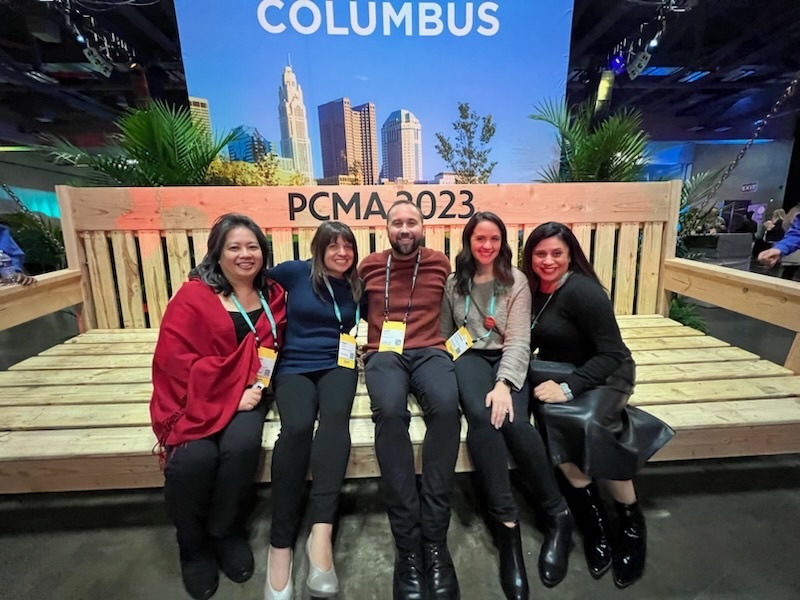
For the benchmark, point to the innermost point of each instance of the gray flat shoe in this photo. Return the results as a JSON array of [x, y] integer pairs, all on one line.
[[320, 584]]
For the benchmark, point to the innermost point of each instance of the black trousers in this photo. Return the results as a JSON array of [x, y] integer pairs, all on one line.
[[427, 372], [208, 481], [476, 372], [300, 398]]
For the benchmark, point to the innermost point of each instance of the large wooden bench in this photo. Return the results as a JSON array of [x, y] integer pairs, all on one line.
[[76, 416]]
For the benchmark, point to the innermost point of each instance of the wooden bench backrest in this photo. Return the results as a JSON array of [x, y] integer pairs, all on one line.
[[136, 246]]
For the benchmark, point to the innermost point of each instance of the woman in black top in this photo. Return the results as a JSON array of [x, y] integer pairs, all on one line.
[[581, 397]]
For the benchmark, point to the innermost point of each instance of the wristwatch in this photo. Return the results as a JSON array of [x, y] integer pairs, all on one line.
[[567, 391], [507, 382]]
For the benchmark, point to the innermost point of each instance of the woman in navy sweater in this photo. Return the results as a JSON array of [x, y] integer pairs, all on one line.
[[316, 378]]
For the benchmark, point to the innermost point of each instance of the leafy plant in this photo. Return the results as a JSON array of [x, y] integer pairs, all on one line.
[[611, 148], [156, 145], [684, 312], [468, 155], [41, 254], [698, 210]]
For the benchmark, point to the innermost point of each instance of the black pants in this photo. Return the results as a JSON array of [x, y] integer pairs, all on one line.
[[208, 481], [300, 397], [476, 372], [427, 372]]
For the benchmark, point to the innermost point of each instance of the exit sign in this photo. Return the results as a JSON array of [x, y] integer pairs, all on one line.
[[750, 187]]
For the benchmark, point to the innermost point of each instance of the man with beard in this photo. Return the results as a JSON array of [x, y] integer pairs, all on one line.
[[406, 352]]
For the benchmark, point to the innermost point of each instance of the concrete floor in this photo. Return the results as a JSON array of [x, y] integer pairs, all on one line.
[[717, 529]]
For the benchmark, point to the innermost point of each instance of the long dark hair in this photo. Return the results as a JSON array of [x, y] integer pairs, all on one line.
[[465, 262], [327, 233], [577, 259], [209, 272]]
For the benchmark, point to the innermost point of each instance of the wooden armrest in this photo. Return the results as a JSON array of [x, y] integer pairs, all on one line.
[[51, 292]]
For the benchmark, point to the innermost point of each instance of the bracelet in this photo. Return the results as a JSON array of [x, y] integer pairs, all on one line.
[[567, 390]]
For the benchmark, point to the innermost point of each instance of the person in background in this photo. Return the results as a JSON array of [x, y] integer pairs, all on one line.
[[17, 257], [492, 300], [589, 429], [314, 380], [787, 250], [747, 225], [215, 353]]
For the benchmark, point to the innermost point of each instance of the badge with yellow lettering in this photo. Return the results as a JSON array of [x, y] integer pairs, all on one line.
[[347, 351], [393, 335], [459, 342], [267, 357]]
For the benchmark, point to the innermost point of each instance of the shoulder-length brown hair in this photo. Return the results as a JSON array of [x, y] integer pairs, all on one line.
[[577, 259], [327, 233], [465, 262]]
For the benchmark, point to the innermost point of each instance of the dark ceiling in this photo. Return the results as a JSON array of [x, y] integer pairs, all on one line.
[[750, 48]]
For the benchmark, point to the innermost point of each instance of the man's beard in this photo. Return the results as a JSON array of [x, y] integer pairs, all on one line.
[[406, 251]]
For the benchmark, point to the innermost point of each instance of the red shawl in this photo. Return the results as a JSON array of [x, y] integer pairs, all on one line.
[[199, 373]]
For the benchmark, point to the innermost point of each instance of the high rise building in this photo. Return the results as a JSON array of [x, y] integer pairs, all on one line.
[[198, 107], [249, 147], [349, 140], [401, 140], [295, 143]]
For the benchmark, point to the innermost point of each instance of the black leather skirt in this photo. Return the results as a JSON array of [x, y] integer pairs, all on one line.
[[597, 430]]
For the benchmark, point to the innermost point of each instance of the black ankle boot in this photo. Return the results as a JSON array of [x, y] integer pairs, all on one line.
[[409, 581], [513, 577], [631, 547], [440, 572], [554, 555], [591, 518], [235, 557], [199, 571]]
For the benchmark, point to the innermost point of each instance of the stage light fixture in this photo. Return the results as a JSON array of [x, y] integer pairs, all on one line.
[[617, 63]]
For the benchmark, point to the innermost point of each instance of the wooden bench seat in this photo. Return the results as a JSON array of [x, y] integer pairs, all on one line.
[[76, 416]]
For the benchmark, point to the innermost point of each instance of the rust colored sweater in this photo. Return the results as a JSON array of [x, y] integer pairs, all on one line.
[[422, 328]]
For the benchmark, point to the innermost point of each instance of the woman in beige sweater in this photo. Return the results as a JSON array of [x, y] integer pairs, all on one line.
[[486, 313]]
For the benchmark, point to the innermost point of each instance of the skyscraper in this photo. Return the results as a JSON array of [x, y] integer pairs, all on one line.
[[198, 107], [349, 140], [249, 147], [401, 139], [295, 143]]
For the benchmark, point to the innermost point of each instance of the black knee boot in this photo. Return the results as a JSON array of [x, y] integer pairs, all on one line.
[[554, 555], [631, 547], [513, 577], [590, 514]]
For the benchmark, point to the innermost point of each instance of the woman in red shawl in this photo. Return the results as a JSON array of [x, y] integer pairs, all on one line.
[[206, 411]]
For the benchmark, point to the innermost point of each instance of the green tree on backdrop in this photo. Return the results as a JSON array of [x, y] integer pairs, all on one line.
[[468, 154]]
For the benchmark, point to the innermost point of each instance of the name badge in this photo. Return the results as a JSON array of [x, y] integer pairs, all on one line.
[[347, 351], [459, 342], [393, 335], [267, 357]]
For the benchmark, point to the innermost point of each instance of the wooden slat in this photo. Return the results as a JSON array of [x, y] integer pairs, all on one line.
[[674, 343], [100, 393], [102, 278], [178, 259], [703, 371], [513, 241], [52, 292], [282, 247], [669, 241], [56, 363], [381, 239], [199, 244], [727, 442], [155, 276], [583, 232], [649, 269], [625, 280], [603, 255], [434, 237], [304, 237], [456, 233], [28, 418], [793, 358], [65, 443], [90, 337], [678, 392], [642, 322], [89, 349], [656, 332], [362, 235], [734, 413], [74, 377], [129, 286], [683, 356]]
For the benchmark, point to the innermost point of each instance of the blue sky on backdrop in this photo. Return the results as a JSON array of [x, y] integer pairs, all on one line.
[[236, 64]]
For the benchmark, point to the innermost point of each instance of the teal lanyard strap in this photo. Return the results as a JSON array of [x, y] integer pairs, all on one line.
[[336, 307], [250, 322], [490, 312]]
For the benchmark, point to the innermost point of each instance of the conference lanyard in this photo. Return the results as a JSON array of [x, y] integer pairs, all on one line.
[[336, 307], [561, 282], [488, 322], [250, 322], [410, 294]]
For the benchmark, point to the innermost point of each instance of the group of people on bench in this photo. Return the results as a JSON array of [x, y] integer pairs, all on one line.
[[458, 341]]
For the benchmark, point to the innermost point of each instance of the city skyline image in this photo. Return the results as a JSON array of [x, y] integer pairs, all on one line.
[[406, 66]]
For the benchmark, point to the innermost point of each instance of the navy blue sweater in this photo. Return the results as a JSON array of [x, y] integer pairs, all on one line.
[[311, 342]]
